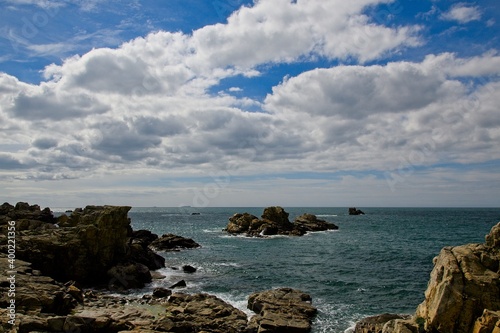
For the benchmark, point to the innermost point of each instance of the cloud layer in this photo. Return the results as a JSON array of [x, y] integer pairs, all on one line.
[[145, 106]]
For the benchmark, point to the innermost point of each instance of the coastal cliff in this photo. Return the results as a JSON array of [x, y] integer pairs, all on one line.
[[462, 296]]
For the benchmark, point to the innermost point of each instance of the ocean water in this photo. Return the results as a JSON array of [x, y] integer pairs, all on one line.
[[375, 263]]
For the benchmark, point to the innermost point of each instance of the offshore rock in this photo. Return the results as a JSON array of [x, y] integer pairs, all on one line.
[[275, 222], [281, 310], [170, 242], [355, 211]]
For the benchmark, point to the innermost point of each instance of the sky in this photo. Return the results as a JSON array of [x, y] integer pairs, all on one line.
[[250, 103]]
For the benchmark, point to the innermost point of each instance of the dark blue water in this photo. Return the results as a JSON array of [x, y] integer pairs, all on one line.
[[375, 263]]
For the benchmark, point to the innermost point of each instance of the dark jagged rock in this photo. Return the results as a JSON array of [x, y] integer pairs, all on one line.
[[355, 211], [275, 222], [281, 310], [161, 292], [180, 284], [189, 269], [169, 242]]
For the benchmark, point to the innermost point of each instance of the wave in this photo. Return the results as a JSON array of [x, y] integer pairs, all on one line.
[[327, 215]]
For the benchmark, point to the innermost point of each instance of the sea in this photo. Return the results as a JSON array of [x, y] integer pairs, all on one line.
[[374, 263]]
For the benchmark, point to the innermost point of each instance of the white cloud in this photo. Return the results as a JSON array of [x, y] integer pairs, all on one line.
[[145, 107], [462, 13]]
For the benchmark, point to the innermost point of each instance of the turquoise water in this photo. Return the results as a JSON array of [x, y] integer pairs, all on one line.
[[375, 263]]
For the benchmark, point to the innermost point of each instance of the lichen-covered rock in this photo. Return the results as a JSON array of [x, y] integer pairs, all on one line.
[[281, 310]]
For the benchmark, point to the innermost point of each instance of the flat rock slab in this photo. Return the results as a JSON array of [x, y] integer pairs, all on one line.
[[283, 310]]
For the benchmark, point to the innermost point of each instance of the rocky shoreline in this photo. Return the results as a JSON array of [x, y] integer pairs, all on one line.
[[65, 268], [462, 296]]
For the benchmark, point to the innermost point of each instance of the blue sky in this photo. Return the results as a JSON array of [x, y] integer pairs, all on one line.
[[236, 103]]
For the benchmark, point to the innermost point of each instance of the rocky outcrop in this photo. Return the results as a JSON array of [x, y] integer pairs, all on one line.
[[464, 282], [169, 242], [281, 310], [355, 211], [275, 221], [84, 246], [463, 293]]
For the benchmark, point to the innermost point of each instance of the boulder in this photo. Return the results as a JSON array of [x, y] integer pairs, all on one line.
[[241, 223], [34, 294], [161, 292], [281, 310], [377, 323], [128, 276], [309, 222], [201, 312], [189, 269], [180, 284], [276, 214], [170, 242]]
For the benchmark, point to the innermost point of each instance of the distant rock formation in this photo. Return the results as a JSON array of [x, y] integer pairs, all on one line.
[[463, 293], [275, 222], [355, 211]]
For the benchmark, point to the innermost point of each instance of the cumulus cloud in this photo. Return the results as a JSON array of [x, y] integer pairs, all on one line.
[[462, 13], [146, 105]]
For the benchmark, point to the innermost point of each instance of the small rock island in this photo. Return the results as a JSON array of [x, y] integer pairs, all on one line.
[[275, 221]]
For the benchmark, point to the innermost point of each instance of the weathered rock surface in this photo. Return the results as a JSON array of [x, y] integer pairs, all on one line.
[[463, 293], [309, 222], [464, 282], [275, 222], [377, 323], [85, 247], [169, 242], [201, 312], [282, 310]]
